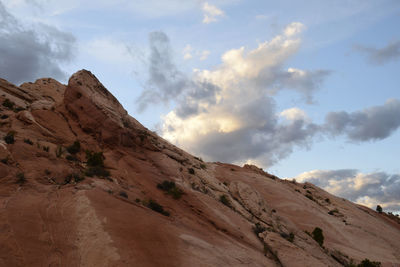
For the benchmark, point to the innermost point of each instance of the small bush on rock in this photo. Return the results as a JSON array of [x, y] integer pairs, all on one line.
[[74, 148], [225, 200], [171, 189], [152, 204], [9, 138], [318, 236]]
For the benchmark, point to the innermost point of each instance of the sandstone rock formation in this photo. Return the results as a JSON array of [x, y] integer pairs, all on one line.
[[52, 213]]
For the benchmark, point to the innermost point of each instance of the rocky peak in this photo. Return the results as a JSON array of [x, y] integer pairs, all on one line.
[[146, 197]]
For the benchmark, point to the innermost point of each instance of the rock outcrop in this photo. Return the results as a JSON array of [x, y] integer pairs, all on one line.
[[82, 183]]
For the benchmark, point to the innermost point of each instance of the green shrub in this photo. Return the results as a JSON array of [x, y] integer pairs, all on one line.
[[318, 236], [9, 138], [152, 204], [291, 237], [123, 194], [225, 200], [171, 189], [74, 148], [5, 160], [288, 237], [97, 171], [379, 209], [191, 170], [95, 163], [59, 151], [71, 158], [8, 104], [258, 228], [203, 166], [94, 159], [368, 263], [21, 178], [28, 141]]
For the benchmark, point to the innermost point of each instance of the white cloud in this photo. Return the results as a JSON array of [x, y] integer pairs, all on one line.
[[204, 54], [227, 114], [211, 13], [293, 114], [187, 52], [370, 189]]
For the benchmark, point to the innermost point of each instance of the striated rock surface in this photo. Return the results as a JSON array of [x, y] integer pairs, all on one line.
[[60, 208]]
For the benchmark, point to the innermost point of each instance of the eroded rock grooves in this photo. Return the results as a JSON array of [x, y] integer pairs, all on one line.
[[60, 208]]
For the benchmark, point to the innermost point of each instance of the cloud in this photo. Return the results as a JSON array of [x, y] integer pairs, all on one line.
[[374, 123], [380, 56], [228, 113], [28, 54], [370, 189], [187, 52], [165, 81], [204, 54], [211, 13]]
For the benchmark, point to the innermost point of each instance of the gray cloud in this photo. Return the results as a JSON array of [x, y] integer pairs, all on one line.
[[28, 54], [382, 55], [374, 123], [263, 138], [370, 189], [167, 83]]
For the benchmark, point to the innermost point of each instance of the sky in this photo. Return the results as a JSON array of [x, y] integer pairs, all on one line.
[[304, 89]]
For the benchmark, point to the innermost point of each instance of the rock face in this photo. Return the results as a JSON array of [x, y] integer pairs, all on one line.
[[61, 206]]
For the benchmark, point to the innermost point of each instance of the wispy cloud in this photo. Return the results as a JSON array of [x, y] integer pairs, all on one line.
[[370, 189], [211, 13], [380, 56]]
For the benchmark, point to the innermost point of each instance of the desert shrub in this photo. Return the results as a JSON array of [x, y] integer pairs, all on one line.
[[368, 263], [191, 170], [59, 151], [203, 166], [97, 171], [71, 158], [28, 141], [327, 200], [288, 237], [137, 200], [94, 159], [152, 204], [9, 138], [318, 236], [379, 209], [46, 148], [123, 194], [95, 163], [258, 228], [74, 148], [332, 212], [291, 237], [5, 160], [8, 104], [21, 178], [171, 189], [225, 200], [310, 197]]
